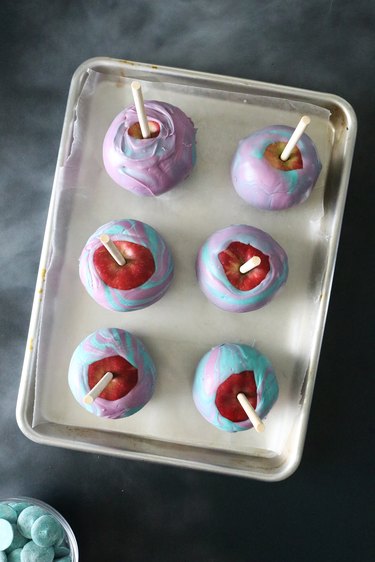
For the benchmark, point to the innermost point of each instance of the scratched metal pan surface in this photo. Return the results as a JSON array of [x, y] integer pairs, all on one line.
[[183, 325]]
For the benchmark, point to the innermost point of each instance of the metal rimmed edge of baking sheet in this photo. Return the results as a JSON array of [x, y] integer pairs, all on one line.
[[271, 468]]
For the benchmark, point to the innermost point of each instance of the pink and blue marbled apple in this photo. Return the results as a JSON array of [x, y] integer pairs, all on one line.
[[215, 284], [155, 165], [109, 342], [266, 187], [220, 363], [132, 299]]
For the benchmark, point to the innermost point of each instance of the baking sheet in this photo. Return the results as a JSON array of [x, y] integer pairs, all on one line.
[[183, 325], [180, 328]]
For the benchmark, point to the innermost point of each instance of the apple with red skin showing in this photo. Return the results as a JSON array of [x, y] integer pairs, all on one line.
[[273, 152], [226, 395], [135, 130], [125, 376], [234, 256], [139, 266]]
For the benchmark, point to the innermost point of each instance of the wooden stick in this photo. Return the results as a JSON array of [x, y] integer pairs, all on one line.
[[98, 388], [112, 249], [298, 132], [251, 413], [250, 264], [140, 108]]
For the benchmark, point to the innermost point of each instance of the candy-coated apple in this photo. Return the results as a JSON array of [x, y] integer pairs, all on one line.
[[226, 371], [144, 277], [265, 181], [219, 268], [150, 166], [115, 351]]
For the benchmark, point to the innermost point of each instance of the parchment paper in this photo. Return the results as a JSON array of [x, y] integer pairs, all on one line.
[[183, 325]]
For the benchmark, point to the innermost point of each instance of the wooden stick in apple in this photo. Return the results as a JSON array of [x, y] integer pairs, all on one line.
[[250, 264], [140, 108], [98, 388], [305, 120], [112, 249], [251, 413]]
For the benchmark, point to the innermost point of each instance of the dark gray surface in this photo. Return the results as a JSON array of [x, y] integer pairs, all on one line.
[[124, 510]]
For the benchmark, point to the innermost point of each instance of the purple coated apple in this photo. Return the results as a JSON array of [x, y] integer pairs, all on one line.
[[144, 271], [150, 166], [264, 180]]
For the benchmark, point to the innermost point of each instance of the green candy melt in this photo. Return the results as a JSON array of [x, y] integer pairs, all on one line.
[[47, 531], [22, 521], [15, 555], [31, 552], [27, 518], [19, 506], [6, 534], [8, 513], [18, 540], [61, 552]]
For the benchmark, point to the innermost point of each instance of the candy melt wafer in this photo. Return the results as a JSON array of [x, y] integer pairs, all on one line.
[[34, 532], [6, 534]]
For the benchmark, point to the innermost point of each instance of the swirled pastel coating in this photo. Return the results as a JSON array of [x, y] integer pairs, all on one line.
[[214, 282], [220, 363], [132, 299], [155, 165], [266, 187], [110, 342]]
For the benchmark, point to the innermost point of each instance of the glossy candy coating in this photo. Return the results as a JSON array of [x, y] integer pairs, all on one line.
[[132, 299], [155, 165], [220, 363], [214, 282], [106, 343], [262, 185]]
